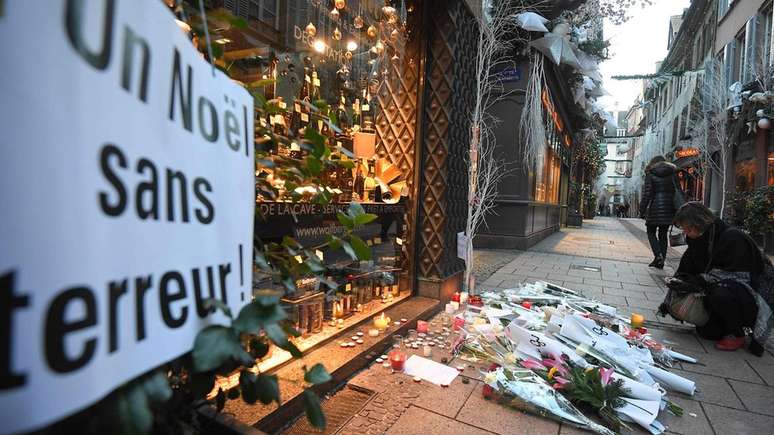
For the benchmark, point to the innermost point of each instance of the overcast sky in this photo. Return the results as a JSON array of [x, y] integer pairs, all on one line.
[[635, 48]]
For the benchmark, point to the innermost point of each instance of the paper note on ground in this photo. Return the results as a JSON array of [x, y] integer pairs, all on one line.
[[430, 370]]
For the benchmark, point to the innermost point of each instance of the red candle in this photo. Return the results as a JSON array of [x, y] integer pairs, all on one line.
[[397, 359], [456, 297], [422, 326], [527, 305]]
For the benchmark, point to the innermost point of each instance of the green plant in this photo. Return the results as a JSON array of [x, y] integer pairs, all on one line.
[[759, 211], [596, 47]]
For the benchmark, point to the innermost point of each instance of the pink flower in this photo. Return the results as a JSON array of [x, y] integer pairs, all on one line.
[[561, 381], [532, 364], [605, 375], [558, 364]]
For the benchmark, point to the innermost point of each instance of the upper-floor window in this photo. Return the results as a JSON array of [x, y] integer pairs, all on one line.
[[264, 10], [724, 6]]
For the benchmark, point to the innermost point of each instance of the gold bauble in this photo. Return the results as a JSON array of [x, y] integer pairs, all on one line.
[[371, 32], [311, 30], [394, 35], [335, 14], [340, 4], [395, 60], [388, 11], [359, 22], [348, 55], [336, 34], [379, 47], [392, 19], [374, 52]]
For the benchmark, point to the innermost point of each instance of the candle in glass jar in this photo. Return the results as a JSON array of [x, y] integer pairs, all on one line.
[[397, 359], [373, 332], [456, 297], [427, 350], [449, 308], [381, 322], [422, 326], [455, 305], [637, 320], [464, 297]]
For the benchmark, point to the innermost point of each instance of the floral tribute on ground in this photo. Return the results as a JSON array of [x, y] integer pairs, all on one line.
[[557, 354]]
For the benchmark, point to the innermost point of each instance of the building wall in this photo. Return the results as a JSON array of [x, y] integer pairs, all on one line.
[[734, 20]]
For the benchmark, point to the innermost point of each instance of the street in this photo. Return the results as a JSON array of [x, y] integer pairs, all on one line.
[[607, 260]]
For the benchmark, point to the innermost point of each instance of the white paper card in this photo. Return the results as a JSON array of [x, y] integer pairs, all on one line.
[[430, 370]]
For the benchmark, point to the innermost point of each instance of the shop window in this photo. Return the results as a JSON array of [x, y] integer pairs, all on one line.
[[547, 177], [745, 175]]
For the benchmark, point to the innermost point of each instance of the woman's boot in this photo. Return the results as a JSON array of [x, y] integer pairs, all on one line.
[[659, 262]]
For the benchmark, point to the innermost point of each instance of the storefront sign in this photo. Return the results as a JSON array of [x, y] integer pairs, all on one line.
[[127, 196], [686, 152]]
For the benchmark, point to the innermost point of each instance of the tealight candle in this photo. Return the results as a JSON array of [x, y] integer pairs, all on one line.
[[637, 320], [340, 323], [373, 332], [427, 350], [381, 322]]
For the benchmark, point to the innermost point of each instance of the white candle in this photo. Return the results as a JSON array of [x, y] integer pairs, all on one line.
[[427, 350]]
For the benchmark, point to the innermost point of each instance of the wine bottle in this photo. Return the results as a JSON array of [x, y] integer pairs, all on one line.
[[356, 116], [358, 188], [341, 115]]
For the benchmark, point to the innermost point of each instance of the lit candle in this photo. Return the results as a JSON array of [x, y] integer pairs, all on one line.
[[422, 326], [381, 322], [455, 305], [527, 305], [340, 323], [449, 308], [464, 297], [373, 332], [637, 320], [397, 359], [456, 297]]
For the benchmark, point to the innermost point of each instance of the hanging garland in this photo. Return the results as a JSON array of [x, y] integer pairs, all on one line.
[[649, 76], [532, 131]]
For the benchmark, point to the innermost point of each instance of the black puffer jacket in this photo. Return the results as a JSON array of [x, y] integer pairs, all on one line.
[[732, 251], [658, 194]]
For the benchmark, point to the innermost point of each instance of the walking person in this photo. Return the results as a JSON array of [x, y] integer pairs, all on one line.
[[658, 205]]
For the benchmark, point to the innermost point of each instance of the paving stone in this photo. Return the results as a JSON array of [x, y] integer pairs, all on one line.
[[730, 365], [764, 370], [642, 303], [756, 398], [446, 400], [687, 424], [417, 421], [732, 421], [711, 389], [500, 419], [687, 343]]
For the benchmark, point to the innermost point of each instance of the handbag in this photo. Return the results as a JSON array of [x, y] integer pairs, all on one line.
[[688, 306], [677, 239]]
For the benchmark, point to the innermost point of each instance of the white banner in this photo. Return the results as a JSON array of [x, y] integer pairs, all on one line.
[[127, 198]]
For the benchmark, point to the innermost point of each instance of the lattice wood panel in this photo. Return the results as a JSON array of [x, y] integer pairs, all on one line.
[[448, 97]]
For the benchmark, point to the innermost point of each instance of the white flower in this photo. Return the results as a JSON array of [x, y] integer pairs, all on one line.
[[490, 378], [510, 358]]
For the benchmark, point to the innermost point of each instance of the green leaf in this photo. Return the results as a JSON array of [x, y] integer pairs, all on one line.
[[355, 210], [348, 249], [253, 316], [345, 220], [313, 409], [314, 165], [260, 260], [213, 304], [156, 387], [279, 337], [134, 414], [258, 347], [248, 387], [362, 251], [317, 141], [202, 384], [220, 400], [214, 346], [334, 242], [365, 218], [317, 375], [268, 388]]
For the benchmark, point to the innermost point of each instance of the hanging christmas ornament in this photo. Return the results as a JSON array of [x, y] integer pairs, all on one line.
[[371, 32], [311, 30], [287, 58], [348, 55], [394, 35], [389, 11], [374, 52], [395, 60], [340, 4], [335, 14], [284, 72], [336, 34], [359, 22], [379, 47], [764, 123]]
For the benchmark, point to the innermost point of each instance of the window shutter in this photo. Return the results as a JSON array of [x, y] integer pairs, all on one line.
[[728, 62], [750, 56]]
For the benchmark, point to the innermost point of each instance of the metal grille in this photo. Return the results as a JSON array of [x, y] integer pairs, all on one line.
[[338, 410]]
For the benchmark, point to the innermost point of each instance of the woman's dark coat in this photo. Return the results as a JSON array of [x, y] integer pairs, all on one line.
[[658, 194], [732, 251]]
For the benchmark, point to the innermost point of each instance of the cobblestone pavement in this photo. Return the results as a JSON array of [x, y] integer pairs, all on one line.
[[606, 259]]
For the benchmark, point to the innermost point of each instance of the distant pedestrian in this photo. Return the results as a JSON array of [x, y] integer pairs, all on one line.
[[658, 205], [626, 210]]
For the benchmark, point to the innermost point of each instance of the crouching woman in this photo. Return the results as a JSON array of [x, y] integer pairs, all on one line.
[[734, 277]]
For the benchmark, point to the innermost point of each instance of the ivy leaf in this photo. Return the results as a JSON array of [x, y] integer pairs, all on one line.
[[317, 375], [279, 337], [345, 220], [348, 249], [334, 242], [217, 304], [267, 387], [253, 316], [314, 165], [313, 409], [317, 141], [365, 218], [202, 383], [156, 388], [214, 346], [248, 387], [362, 251], [134, 414]]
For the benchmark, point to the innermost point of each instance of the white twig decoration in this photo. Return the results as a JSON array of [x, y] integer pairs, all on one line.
[[532, 130]]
